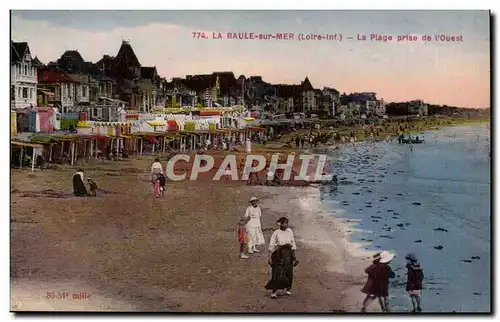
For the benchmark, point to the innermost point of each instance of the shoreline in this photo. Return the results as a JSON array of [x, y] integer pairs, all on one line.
[[329, 235], [369, 206]]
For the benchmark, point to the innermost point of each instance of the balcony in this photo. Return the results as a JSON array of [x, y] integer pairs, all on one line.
[[26, 79], [81, 99], [65, 99]]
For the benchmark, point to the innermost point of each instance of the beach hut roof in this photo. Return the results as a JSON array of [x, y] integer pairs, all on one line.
[[20, 143]]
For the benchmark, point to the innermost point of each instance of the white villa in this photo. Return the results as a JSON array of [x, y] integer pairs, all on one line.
[[23, 82]]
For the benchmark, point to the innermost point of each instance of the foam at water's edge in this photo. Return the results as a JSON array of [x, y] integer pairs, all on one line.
[[315, 227]]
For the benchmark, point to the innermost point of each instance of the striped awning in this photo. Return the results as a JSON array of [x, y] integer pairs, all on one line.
[[210, 113], [156, 123], [132, 116], [172, 125], [189, 126], [84, 124], [112, 124]]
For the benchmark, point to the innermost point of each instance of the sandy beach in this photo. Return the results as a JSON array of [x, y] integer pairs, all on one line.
[[179, 253]]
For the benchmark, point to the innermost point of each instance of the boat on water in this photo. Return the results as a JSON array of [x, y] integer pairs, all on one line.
[[410, 140]]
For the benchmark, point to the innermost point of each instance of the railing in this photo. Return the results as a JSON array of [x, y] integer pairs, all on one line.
[[26, 78], [24, 101], [82, 99]]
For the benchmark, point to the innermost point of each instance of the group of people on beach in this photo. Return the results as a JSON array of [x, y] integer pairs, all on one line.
[[379, 273], [282, 247]]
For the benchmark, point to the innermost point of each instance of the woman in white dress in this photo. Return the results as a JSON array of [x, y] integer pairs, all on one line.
[[253, 226]]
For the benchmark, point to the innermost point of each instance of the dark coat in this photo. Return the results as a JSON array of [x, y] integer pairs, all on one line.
[[79, 189], [163, 180], [415, 277], [378, 279]]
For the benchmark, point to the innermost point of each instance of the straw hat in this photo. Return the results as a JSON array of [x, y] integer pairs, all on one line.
[[253, 199], [386, 257]]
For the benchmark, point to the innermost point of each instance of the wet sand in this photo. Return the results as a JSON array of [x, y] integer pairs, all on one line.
[[178, 253]]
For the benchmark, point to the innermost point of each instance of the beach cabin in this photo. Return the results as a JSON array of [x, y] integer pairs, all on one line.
[[35, 120], [22, 120], [246, 121], [24, 154], [13, 123], [69, 121], [107, 110], [56, 119], [44, 120]]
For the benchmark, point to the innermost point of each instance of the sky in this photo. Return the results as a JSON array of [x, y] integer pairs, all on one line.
[[451, 73]]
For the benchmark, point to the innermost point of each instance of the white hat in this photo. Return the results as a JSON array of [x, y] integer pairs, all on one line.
[[253, 199], [386, 257]]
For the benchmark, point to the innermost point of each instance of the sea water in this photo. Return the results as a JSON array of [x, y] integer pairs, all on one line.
[[430, 199]]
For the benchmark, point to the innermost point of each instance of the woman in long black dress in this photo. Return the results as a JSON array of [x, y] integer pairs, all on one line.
[[282, 260], [79, 188]]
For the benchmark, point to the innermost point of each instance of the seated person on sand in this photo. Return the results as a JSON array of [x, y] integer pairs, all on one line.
[[79, 189], [93, 187]]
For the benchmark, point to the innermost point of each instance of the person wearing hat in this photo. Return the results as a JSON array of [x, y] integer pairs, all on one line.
[[369, 283], [414, 282], [253, 227], [377, 284], [282, 258]]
